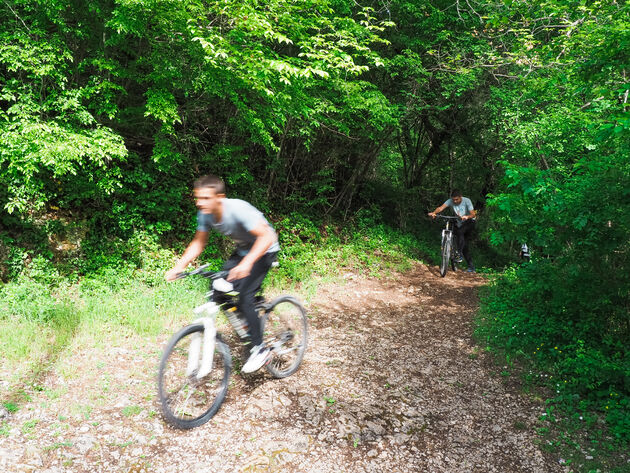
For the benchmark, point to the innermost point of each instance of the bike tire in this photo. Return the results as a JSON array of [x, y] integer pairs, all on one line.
[[285, 330], [446, 255], [204, 397]]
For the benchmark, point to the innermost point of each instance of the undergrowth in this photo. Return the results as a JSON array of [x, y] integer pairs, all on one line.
[[120, 283], [564, 351]]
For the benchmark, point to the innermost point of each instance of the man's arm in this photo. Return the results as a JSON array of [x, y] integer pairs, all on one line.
[[437, 211], [265, 237], [472, 214], [194, 249]]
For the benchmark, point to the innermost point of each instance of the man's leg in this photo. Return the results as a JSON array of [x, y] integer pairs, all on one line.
[[460, 240], [247, 288], [466, 234], [457, 252]]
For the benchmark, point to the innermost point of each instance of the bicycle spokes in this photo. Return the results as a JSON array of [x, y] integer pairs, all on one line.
[[285, 332], [190, 394]]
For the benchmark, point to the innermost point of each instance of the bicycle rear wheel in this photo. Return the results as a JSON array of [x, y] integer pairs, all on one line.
[[446, 253], [285, 330], [186, 401]]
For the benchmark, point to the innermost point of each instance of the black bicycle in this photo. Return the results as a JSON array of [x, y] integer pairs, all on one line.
[[448, 256], [194, 371]]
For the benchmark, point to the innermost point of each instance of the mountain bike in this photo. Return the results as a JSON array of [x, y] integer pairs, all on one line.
[[195, 367], [447, 245]]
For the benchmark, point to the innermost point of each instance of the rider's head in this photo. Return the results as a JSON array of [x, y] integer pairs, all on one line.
[[209, 190], [456, 196]]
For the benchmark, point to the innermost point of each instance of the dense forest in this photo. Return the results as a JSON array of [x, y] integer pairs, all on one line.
[[336, 117]]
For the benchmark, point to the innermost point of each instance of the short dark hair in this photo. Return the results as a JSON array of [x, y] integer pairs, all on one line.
[[456, 193], [211, 181]]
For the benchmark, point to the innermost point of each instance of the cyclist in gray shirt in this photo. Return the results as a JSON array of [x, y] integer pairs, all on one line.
[[463, 208], [256, 249]]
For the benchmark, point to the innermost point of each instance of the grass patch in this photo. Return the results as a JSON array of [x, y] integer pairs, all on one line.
[[129, 411], [45, 311], [29, 426], [10, 406], [311, 254], [579, 438], [58, 445]]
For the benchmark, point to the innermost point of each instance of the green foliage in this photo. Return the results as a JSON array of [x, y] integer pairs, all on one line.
[[12, 257], [530, 313], [576, 299], [312, 250], [140, 256], [116, 107], [567, 310], [10, 406], [565, 193], [32, 300], [46, 134], [339, 127]]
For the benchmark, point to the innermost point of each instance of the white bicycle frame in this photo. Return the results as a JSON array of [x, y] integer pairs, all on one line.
[[201, 351], [447, 236]]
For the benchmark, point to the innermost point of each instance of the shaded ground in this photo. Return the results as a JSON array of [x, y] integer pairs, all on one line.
[[392, 382]]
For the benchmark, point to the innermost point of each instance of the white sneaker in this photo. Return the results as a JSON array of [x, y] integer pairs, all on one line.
[[259, 356]]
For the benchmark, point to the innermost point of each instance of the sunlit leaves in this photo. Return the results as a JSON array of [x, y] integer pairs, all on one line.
[[34, 153], [162, 106], [47, 129], [286, 39]]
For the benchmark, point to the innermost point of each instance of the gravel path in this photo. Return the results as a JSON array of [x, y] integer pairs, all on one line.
[[392, 382]]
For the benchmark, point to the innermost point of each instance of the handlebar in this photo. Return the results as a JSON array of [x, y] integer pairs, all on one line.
[[203, 272], [447, 217]]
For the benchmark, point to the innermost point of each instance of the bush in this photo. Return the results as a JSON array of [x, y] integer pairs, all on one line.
[[532, 312]]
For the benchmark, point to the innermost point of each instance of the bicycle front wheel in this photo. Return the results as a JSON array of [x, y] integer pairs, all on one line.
[[285, 331], [185, 400], [446, 254]]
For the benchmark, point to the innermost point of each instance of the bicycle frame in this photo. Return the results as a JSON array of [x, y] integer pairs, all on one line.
[[447, 231], [205, 347], [447, 245], [202, 346]]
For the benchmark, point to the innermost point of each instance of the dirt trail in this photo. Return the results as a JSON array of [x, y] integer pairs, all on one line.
[[392, 382]]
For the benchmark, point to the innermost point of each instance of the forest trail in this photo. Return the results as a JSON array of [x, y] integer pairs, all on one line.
[[392, 382]]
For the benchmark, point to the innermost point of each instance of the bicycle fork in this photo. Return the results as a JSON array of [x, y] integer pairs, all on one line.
[[446, 238], [201, 350]]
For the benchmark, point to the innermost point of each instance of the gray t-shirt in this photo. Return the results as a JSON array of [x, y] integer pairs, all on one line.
[[465, 207], [238, 220]]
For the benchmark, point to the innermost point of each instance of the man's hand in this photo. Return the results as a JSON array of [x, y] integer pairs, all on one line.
[[465, 217], [432, 214], [172, 273], [240, 271]]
